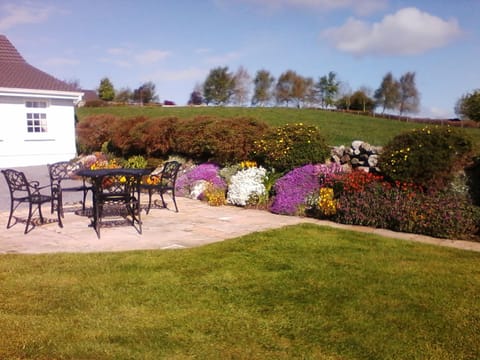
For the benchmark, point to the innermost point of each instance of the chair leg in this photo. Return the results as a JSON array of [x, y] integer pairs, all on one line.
[[11, 215], [84, 200], [29, 219], [149, 200], [59, 216], [174, 200]]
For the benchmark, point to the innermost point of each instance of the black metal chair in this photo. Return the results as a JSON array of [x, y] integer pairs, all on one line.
[[114, 195], [65, 171], [163, 183], [25, 192]]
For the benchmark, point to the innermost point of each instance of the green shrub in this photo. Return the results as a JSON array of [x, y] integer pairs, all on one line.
[[136, 162], [291, 146], [429, 156]]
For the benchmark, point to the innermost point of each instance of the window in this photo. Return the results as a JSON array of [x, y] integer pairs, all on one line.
[[36, 119]]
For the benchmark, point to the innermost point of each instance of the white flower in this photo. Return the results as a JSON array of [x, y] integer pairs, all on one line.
[[198, 188], [245, 184]]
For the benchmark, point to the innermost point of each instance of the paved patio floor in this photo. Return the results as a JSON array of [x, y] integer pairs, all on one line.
[[196, 224]]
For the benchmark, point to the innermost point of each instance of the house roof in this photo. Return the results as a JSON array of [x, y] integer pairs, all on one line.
[[15, 72]]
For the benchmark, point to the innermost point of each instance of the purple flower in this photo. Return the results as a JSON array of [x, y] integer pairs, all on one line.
[[207, 172], [292, 189]]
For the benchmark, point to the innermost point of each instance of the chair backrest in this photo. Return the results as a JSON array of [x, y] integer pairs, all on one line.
[[62, 170], [17, 182], [121, 187], [169, 174]]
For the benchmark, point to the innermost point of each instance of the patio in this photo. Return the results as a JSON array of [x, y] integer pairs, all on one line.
[[195, 224]]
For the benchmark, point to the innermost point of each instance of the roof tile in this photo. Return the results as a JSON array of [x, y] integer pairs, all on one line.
[[15, 72]]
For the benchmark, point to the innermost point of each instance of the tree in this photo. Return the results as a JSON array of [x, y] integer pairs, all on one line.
[[468, 106], [387, 95], [124, 95], [106, 91], [292, 87], [327, 89], [74, 83], [409, 99], [262, 93], [345, 93], [145, 93], [360, 101], [196, 97], [241, 89], [218, 87]]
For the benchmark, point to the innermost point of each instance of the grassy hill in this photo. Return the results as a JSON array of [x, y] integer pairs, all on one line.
[[339, 128]]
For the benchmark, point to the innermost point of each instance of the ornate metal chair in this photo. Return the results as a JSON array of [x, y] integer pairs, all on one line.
[[163, 183], [65, 171], [25, 192], [113, 195]]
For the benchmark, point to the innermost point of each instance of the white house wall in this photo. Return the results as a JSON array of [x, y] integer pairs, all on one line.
[[21, 148]]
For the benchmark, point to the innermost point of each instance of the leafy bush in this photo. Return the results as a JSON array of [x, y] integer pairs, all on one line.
[[223, 141], [94, 131], [96, 103], [402, 206], [429, 157], [291, 146], [122, 141], [155, 136], [136, 162]]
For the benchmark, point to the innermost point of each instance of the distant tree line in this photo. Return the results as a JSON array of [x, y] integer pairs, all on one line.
[[144, 94], [222, 87]]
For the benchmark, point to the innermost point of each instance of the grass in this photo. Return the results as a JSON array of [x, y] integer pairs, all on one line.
[[339, 128], [301, 292]]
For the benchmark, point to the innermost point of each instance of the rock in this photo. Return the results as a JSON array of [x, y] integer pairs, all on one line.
[[366, 147], [356, 144], [373, 160], [345, 159], [335, 158]]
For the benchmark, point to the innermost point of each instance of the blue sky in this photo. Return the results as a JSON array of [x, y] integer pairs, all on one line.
[[175, 44]]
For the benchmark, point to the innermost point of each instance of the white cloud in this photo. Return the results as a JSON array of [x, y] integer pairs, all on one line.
[[202, 51], [225, 59], [117, 62], [118, 51], [23, 14], [359, 7], [151, 56], [407, 32], [180, 75], [59, 61]]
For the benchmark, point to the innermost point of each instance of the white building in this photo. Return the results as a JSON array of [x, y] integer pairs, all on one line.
[[37, 113]]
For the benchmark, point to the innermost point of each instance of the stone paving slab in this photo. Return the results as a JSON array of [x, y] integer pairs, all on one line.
[[196, 224]]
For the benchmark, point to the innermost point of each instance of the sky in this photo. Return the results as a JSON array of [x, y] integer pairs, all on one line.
[[175, 44]]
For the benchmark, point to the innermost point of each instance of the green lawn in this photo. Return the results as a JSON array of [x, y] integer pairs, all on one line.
[[339, 128], [302, 292]]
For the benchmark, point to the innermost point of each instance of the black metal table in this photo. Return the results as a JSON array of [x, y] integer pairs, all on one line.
[[115, 186]]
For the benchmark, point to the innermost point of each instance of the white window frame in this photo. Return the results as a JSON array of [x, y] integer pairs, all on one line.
[[36, 117]]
